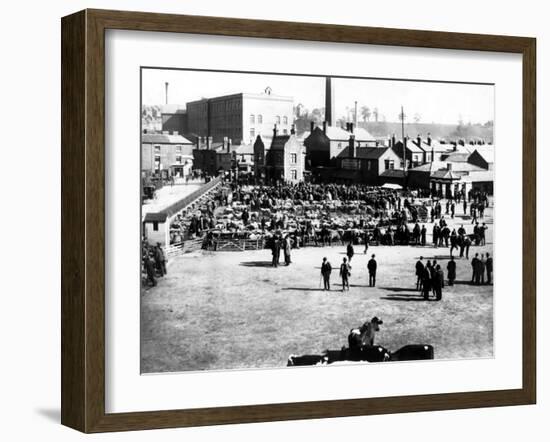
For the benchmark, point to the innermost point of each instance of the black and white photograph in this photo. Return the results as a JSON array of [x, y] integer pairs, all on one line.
[[314, 220]]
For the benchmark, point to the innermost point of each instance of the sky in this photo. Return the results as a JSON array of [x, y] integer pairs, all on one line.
[[433, 102]]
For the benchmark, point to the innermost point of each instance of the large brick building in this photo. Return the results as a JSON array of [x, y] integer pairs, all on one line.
[[240, 117]]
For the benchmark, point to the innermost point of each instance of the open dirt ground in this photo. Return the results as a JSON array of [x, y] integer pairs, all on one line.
[[229, 310]]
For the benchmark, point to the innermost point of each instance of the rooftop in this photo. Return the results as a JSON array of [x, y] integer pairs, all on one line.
[[157, 138]]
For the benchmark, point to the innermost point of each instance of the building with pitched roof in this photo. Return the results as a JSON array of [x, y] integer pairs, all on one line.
[[281, 159], [365, 164], [324, 145], [165, 154]]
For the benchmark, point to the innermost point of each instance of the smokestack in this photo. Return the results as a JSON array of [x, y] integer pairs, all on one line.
[[229, 145], [419, 140], [352, 148], [166, 91], [429, 140], [355, 115], [329, 101]]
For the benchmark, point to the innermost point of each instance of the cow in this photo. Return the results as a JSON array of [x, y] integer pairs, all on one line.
[[413, 352], [304, 360]]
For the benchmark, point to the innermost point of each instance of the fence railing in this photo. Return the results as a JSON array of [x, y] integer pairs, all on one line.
[[190, 245], [237, 245], [192, 197]]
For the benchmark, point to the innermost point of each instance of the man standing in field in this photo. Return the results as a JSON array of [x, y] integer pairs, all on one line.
[[372, 266], [438, 283], [489, 267], [345, 273], [475, 268], [350, 252], [326, 270], [451, 271], [419, 273]]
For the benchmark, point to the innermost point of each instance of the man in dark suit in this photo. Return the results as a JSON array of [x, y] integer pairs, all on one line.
[[489, 268], [372, 266], [438, 283], [419, 273], [451, 271], [475, 268], [326, 270]]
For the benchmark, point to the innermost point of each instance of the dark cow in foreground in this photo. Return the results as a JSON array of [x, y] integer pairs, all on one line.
[[368, 353], [414, 352], [297, 361]]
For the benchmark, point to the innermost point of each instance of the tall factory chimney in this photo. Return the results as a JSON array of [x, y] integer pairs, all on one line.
[[355, 115], [329, 101], [166, 92]]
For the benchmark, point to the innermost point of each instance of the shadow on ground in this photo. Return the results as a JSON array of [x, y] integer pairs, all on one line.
[[256, 264]]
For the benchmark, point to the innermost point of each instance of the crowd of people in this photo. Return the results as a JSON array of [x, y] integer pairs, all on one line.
[[153, 261], [322, 215]]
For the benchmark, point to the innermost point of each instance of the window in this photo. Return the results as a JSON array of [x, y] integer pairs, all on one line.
[[369, 164], [278, 119], [252, 119], [285, 132], [293, 158], [293, 174], [178, 149], [260, 119], [155, 226], [285, 120], [389, 164], [178, 159], [252, 133], [339, 145], [157, 162], [157, 149], [392, 165]]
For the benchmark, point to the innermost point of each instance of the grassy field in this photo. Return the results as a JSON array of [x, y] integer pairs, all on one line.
[[229, 310]]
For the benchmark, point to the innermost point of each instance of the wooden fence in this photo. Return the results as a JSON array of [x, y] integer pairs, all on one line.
[[237, 245], [190, 245]]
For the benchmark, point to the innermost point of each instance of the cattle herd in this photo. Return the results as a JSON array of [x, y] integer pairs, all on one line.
[[361, 348], [311, 214]]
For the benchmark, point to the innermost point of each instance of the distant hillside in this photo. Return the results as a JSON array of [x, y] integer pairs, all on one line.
[[382, 129]]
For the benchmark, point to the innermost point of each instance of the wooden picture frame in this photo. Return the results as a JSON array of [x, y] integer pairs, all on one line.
[[83, 220]]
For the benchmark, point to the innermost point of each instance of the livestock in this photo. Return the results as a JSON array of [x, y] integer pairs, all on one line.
[[413, 352]]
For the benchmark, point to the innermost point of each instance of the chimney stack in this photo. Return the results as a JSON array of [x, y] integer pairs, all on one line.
[[329, 101], [351, 126], [311, 126], [274, 130], [166, 92], [352, 148], [355, 115], [393, 140], [229, 145], [419, 140], [429, 140], [292, 129]]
